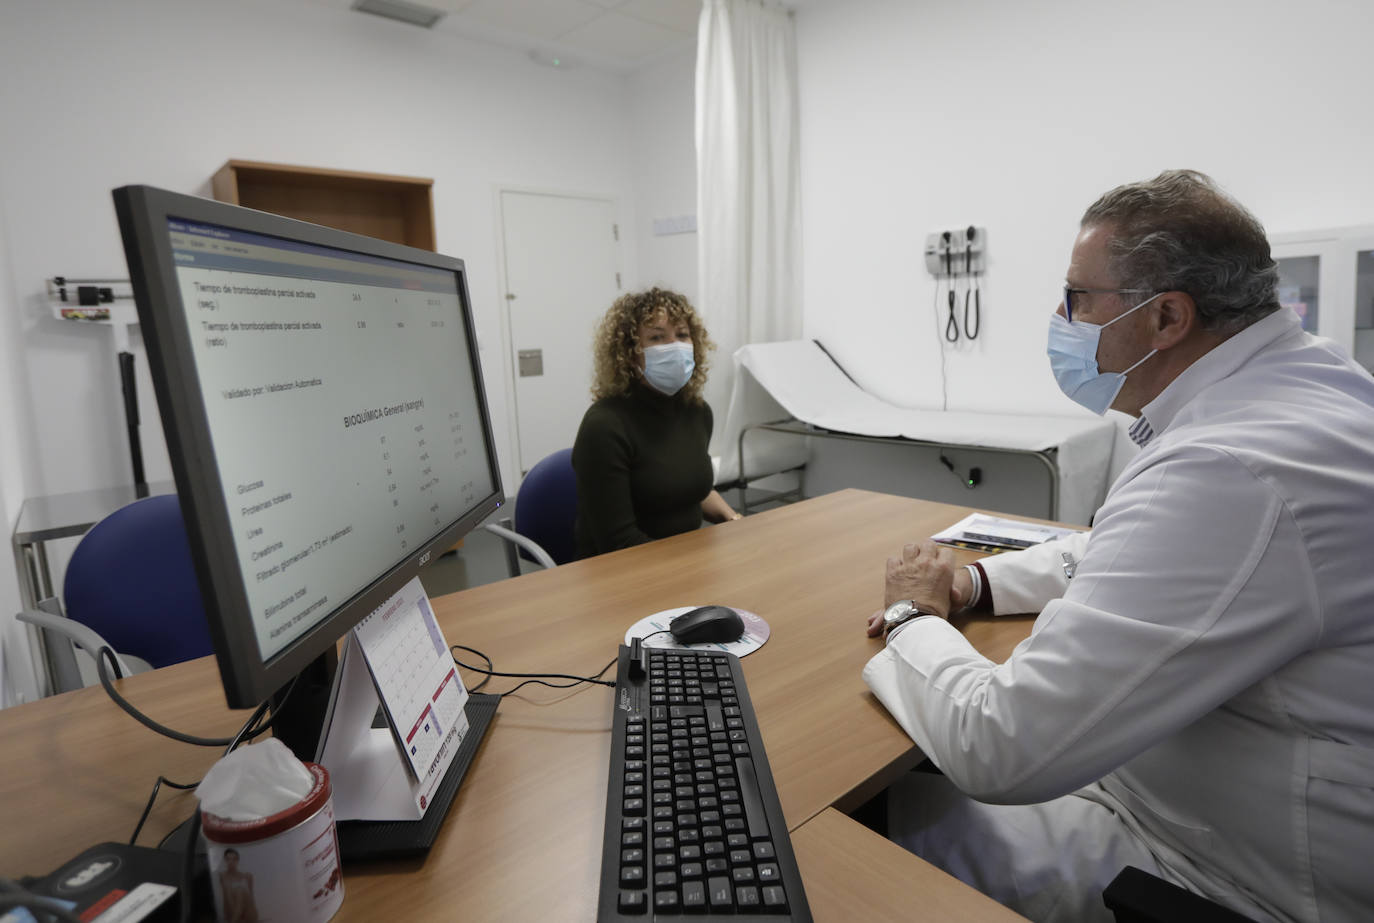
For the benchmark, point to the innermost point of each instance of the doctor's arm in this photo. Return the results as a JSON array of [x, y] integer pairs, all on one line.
[[1173, 584]]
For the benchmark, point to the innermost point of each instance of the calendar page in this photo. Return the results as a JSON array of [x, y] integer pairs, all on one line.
[[416, 679]]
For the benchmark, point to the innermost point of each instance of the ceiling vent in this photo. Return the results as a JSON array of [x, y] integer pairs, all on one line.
[[401, 10]]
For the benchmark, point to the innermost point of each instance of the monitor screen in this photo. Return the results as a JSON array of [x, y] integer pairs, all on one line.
[[325, 419]]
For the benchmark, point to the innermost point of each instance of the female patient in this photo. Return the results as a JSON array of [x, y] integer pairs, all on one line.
[[641, 459]]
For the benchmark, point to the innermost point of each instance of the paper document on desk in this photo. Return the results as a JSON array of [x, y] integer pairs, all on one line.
[[981, 532]]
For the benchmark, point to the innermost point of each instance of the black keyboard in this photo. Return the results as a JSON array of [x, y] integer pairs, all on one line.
[[693, 823]]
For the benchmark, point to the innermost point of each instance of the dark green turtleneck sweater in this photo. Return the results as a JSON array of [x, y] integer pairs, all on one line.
[[642, 469]]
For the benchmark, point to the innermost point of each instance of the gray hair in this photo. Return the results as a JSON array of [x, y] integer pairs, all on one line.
[[1180, 232]]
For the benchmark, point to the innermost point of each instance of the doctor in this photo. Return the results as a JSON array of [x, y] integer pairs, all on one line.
[[1197, 695]]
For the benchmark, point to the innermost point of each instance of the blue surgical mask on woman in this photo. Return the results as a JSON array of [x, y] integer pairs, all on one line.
[[1073, 358], [668, 367]]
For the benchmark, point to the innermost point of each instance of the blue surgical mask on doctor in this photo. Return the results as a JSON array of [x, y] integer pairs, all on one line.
[[668, 367], [1073, 358]]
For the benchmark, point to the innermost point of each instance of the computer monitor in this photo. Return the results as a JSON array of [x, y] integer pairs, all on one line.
[[325, 418]]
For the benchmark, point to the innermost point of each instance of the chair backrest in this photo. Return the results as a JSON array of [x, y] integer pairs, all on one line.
[[131, 579], [546, 506]]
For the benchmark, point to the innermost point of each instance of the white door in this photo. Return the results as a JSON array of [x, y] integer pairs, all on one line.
[[561, 276]]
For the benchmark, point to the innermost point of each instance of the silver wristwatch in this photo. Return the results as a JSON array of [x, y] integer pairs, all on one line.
[[899, 613]]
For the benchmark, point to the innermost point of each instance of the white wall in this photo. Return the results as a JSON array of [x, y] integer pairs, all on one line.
[[94, 95], [662, 115], [923, 116]]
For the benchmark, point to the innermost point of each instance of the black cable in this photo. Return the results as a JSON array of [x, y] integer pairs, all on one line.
[[490, 666], [251, 728], [972, 289], [944, 380], [533, 678], [13, 897], [148, 808], [952, 324], [247, 732], [971, 480], [188, 866], [144, 719]]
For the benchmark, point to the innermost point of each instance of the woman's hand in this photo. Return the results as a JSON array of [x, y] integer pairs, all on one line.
[[715, 509]]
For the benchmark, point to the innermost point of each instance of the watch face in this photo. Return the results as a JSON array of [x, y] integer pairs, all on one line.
[[899, 611]]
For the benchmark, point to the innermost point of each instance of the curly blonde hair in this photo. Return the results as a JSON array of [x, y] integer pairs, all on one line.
[[616, 343]]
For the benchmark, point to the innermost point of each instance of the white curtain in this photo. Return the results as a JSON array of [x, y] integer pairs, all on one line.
[[748, 208]]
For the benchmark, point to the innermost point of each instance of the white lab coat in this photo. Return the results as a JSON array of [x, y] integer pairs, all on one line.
[[1208, 673]]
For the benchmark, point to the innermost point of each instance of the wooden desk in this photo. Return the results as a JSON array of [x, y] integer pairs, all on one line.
[[75, 771]]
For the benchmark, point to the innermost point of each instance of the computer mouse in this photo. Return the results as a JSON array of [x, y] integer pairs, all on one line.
[[705, 624]]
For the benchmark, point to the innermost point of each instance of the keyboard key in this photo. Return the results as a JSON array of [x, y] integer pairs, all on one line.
[[632, 876], [747, 898], [769, 872], [720, 893], [633, 902], [665, 901], [693, 896], [775, 899], [753, 800]]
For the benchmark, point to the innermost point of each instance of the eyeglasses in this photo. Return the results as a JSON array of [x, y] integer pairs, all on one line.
[[1070, 292]]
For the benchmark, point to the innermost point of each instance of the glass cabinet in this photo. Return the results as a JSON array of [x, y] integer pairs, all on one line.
[[1327, 277]]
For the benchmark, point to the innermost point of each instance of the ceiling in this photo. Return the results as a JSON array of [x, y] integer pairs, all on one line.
[[615, 35]]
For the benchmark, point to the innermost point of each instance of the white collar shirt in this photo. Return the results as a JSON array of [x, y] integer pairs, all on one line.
[[1207, 673]]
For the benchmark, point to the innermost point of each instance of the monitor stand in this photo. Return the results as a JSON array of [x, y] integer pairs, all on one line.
[[361, 840], [300, 723]]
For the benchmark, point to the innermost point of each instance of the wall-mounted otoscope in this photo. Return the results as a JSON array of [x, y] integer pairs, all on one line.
[[955, 254]]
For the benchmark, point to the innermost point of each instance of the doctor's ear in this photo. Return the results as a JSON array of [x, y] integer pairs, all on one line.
[[1174, 318]]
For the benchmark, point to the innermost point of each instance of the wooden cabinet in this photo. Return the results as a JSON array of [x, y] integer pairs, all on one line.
[[395, 208]]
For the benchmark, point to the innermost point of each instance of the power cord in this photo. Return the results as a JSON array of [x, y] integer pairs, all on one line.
[[251, 728], [43, 909], [148, 808], [529, 678], [103, 671], [970, 480], [944, 379]]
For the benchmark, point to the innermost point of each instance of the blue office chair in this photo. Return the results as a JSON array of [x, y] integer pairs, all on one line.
[[545, 510], [131, 585]]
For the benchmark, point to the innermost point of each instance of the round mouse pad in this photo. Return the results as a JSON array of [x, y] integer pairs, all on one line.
[[756, 632]]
